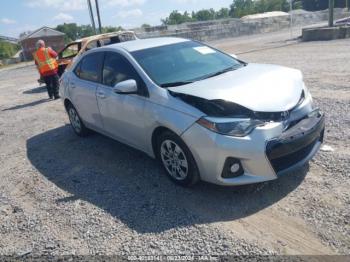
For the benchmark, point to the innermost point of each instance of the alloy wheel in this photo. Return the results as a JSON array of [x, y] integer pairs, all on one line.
[[174, 159], [75, 120]]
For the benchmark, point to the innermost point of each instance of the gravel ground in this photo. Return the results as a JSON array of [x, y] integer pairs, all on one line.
[[64, 195]]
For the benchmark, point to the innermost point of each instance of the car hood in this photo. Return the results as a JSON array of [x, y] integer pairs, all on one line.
[[258, 87]]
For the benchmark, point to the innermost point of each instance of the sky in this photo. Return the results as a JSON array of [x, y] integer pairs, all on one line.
[[17, 16]]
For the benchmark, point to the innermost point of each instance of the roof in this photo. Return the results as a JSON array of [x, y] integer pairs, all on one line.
[[42, 32], [139, 44]]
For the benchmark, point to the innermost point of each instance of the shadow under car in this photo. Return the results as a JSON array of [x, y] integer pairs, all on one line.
[[133, 188]]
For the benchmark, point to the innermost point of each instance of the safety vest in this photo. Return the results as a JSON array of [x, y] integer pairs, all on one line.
[[44, 61]]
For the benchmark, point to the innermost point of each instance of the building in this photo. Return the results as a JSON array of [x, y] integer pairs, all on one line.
[[52, 38]]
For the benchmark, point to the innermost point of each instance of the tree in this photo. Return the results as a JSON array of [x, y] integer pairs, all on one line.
[[297, 4], [271, 5], [110, 29], [145, 26], [85, 30], [7, 50], [241, 8], [176, 17], [313, 5], [222, 13], [340, 3], [73, 31], [186, 17], [205, 15]]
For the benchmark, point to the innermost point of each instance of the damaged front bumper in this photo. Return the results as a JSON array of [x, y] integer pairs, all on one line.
[[297, 145], [266, 153]]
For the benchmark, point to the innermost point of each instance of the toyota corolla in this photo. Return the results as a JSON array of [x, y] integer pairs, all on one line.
[[205, 114]]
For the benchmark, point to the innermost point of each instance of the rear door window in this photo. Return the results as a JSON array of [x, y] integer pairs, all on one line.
[[89, 67]]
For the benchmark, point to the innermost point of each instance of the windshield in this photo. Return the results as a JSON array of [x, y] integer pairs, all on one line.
[[183, 63]]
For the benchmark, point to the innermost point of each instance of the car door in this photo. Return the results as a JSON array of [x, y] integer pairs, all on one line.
[[122, 114], [66, 56], [83, 86]]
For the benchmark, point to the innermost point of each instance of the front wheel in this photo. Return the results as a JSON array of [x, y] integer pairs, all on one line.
[[177, 159], [76, 122]]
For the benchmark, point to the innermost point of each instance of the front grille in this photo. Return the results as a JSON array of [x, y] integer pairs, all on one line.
[[286, 161], [296, 143], [279, 116]]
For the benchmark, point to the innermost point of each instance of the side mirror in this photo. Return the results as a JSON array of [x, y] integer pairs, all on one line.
[[126, 87], [234, 56]]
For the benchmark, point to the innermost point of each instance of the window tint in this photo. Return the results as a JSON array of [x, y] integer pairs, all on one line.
[[117, 69], [89, 67]]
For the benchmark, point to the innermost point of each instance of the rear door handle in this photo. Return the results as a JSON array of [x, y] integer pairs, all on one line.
[[101, 95], [72, 85]]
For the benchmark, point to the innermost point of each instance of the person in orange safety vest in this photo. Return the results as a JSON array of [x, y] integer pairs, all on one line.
[[45, 60]]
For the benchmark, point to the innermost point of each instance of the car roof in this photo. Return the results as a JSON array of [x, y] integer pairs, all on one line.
[[140, 44]]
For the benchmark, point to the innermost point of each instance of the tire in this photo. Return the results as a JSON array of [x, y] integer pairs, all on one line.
[[76, 123], [177, 160]]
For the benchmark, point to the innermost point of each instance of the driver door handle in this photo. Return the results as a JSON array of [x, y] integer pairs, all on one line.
[[101, 95], [72, 85]]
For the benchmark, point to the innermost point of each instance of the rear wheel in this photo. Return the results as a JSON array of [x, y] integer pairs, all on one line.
[[177, 159], [76, 122]]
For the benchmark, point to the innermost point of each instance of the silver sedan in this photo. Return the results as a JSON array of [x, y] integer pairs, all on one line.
[[205, 114]]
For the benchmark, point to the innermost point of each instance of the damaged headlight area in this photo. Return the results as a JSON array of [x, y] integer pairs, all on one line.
[[232, 119], [236, 127], [215, 108]]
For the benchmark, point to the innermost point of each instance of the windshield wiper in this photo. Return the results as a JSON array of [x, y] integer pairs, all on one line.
[[220, 72], [179, 83]]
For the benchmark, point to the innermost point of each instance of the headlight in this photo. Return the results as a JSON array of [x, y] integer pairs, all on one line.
[[239, 127]]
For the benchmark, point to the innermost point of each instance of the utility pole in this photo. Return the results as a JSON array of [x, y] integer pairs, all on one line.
[[98, 17], [331, 13], [291, 18], [91, 16]]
